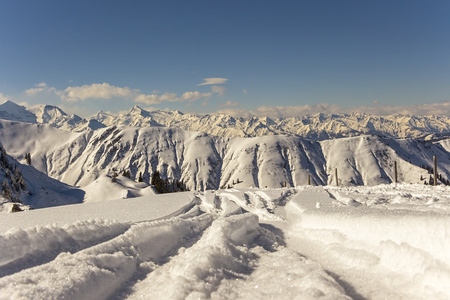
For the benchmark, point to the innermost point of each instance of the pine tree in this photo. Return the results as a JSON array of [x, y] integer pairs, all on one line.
[[126, 173], [6, 190], [114, 177], [156, 178], [15, 208], [140, 179]]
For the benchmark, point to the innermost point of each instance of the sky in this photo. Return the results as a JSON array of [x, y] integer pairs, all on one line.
[[247, 57]]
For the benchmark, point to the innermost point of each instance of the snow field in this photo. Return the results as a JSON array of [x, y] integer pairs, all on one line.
[[16, 243], [193, 255], [282, 274], [138, 209], [388, 240], [96, 272], [69, 276], [381, 242], [230, 262]]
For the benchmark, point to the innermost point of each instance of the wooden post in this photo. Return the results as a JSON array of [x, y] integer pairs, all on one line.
[[395, 172], [309, 179], [336, 176], [435, 170], [284, 183]]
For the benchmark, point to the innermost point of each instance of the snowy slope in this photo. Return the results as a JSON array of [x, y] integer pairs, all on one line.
[[11, 111], [38, 189], [383, 242], [208, 162]]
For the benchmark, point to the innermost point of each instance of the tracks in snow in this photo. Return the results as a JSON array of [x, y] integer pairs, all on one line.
[[217, 249]]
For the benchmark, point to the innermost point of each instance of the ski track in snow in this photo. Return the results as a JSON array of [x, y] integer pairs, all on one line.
[[383, 242]]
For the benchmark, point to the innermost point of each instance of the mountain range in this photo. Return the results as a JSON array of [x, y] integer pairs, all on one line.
[[85, 153], [315, 127]]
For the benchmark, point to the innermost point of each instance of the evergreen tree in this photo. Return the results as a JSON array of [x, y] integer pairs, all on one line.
[[140, 179], [166, 185], [4, 162], [114, 177], [15, 208], [6, 190], [156, 178], [126, 173]]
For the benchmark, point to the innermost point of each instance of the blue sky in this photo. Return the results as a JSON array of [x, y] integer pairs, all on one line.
[[235, 56]]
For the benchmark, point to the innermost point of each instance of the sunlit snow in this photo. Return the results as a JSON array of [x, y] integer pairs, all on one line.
[[380, 242]]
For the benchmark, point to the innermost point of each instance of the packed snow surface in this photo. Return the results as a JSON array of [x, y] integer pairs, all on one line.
[[380, 242]]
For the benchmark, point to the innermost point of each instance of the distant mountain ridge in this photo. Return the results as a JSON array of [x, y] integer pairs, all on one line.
[[315, 127]]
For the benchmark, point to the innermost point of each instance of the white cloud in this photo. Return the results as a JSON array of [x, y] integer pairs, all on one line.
[[40, 88], [193, 96], [220, 90], [212, 81], [95, 91], [107, 91], [148, 99]]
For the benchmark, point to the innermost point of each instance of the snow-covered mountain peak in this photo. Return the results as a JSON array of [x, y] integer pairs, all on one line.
[[101, 115], [47, 113], [136, 116], [138, 111], [14, 112], [177, 112]]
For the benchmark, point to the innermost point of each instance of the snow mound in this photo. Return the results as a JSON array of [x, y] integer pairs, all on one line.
[[103, 188]]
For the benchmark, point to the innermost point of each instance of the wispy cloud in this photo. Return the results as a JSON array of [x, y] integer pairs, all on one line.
[[41, 88], [213, 81]]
